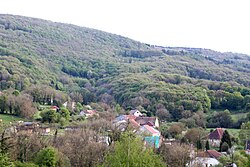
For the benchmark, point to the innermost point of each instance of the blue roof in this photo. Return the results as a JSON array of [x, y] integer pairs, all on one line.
[[120, 118]]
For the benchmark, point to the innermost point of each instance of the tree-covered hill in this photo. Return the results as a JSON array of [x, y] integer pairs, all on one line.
[[94, 66]]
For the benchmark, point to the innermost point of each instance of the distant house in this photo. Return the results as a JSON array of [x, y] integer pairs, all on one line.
[[206, 158], [210, 154], [152, 135], [28, 127], [31, 127], [215, 137], [151, 121], [136, 113], [65, 104], [54, 108], [204, 162], [121, 122], [143, 126], [88, 113], [44, 130]]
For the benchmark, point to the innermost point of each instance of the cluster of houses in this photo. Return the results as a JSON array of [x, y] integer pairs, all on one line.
[[210, 157], [147, 127], [29, 128], [37, 127]]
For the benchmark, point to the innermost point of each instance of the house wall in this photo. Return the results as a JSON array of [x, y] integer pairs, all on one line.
[[137, 114], [153, 141], [214, 142], [204, 162], [157, 124]]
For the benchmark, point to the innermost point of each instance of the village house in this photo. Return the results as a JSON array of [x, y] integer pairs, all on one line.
[[206, 158], [136, 113], [88, 113], [31, 127], [151, 121], [54, 108], [143, 126], [151, 135], [28, 127], [45, 130], [215, 137]]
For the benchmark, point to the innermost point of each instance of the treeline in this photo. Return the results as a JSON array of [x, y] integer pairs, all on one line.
[[17, 104], [24, 104], [140, 53], [87, 66]]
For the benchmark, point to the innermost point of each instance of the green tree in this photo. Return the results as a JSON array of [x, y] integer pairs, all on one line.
[[3, 103], [194, 135], [5, 161], [244, 133], [25, 164], [65, 113], [176, 129], [207, 145], [16, 93], [220, 119], [130, 151], [199, 145], [49, 116], [227, 140], [47, 157]]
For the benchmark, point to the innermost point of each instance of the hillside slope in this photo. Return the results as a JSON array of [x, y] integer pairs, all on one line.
[[113, 69]]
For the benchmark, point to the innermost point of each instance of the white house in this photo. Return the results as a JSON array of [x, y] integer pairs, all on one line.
[[136, 113], [204, 162]]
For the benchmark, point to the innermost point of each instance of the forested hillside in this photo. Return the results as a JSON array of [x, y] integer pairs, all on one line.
[[46, 59]]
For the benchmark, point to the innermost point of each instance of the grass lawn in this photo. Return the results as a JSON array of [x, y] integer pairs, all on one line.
[[238, 116], [6, 119], [234, 132], [42, 107]]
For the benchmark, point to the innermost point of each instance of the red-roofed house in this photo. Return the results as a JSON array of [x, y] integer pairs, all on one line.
[[54, 108], [151, 135], [215, 137], [129, 117], [134, 123], [151, 121], [152, 130], [89, 113], [209, 154]]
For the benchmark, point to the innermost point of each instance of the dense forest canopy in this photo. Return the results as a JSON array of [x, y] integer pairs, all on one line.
[[43, 59]]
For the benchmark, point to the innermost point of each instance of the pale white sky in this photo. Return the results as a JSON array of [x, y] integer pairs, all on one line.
[[222, 25]]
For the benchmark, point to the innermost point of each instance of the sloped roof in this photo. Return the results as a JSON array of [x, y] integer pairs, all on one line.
[[152, 130], [120, 118], [90, 111], [133, 111], [146, 120], [209, 154], [134, 123], [216, 134], [214, 154], [131, 117], [54, 107]]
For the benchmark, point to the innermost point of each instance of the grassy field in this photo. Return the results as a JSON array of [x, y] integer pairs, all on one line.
[[238, 116], [6, 119]]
